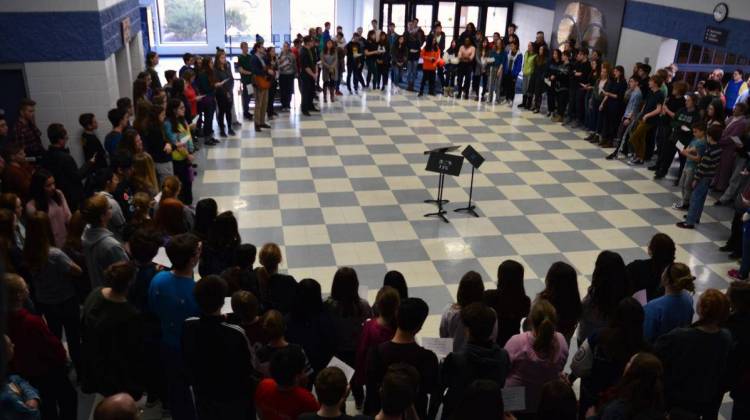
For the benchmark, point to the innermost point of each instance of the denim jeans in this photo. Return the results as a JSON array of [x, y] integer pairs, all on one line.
[[396, 75], [698, 200], [411, 72]]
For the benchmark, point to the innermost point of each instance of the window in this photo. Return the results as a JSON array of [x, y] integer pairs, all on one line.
[[398, 17], [695, 54], [497, 18], [182, 21], [246, 18], [469, 14], [683, 52], [447, 18], [708, 55], [306, 14], [719, 57], [424, 14]]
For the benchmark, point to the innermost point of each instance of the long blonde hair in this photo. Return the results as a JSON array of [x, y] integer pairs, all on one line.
[[144, 173], [543, 318]]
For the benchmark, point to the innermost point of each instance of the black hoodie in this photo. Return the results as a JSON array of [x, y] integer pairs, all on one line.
[[476, 361]]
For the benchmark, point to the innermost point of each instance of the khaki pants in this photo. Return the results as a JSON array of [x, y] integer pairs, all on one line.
[[261, 104], [638, 139]]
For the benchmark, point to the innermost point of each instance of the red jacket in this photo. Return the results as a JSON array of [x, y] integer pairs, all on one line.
[[37, 350]]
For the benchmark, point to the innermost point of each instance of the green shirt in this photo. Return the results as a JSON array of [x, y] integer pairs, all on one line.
[[244, 61], [528, 63]]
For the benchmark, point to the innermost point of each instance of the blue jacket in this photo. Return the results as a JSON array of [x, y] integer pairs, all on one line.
[[13, 395], [171, 299], [517, 64]]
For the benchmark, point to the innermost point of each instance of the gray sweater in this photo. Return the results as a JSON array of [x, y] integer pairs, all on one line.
[[101, 250]]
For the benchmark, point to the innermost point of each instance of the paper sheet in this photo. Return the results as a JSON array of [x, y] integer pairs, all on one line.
[[442, 347], [514, 398], [348, 370], [161, 258], [640, 296], [227, 308]]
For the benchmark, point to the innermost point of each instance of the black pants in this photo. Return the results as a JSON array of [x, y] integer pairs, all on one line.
[[372, 73], [286, 89], [207, 108], [271, 97], [562, 102], [383, 75], [65, 315], [245, 101], [308, 91], [551, 100], [224, 105], [354, 71], [182, 170], [59, 399], [464, 78], [580, 105], [667, 150], [428, 76], [509, 87]]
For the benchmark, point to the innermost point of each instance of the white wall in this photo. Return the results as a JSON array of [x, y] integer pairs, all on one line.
[[65, 90], [637, 46], [531, 19], [738, 9]]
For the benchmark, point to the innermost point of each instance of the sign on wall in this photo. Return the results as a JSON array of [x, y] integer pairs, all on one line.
[[126, 31], [715, 36]]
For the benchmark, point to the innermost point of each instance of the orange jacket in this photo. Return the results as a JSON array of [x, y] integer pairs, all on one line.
[[430, 59]]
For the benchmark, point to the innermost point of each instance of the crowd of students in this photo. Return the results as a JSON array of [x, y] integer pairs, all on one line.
[[78, 244]]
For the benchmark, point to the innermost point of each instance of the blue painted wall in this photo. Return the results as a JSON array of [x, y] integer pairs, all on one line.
[[545, 4], [65, 36]]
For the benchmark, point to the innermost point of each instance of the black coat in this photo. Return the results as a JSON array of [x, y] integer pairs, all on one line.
[[68, 176]]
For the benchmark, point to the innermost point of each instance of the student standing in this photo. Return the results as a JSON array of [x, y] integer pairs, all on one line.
[[287, 74], [224, 92], [262, 75], [329, 65], [430, 55], [650, 114], [308, 74], [466, 56], [498, 62], [383, 60], [398, 61], [92, 146], [510, 76], [675, 308], [246, 78], [704, 173]]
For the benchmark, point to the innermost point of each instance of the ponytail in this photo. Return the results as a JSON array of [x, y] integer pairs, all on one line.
[[543, 320], [679, 277], [264, 280]]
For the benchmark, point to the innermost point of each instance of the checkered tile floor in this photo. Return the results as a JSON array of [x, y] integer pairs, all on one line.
[[346, 187]]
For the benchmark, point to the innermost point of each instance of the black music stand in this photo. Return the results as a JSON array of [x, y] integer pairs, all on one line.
[[440, 151], [476, 161], [443, 164]]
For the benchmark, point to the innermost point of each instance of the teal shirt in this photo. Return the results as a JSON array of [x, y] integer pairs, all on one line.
[[699, 145]]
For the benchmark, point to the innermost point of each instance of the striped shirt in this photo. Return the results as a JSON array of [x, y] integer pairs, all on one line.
[[709, 162]]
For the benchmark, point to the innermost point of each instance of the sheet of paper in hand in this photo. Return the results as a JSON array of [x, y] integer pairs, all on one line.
[[514, 398], [348, 370], [440, 346]]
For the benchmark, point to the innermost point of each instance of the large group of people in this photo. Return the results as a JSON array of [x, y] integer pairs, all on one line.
[[87, 306]]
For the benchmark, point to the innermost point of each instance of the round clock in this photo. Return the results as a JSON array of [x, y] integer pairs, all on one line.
[[721, 11]]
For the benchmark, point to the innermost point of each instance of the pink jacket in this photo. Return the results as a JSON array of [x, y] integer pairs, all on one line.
[[529, 370]]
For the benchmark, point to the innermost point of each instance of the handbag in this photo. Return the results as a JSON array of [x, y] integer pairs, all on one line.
[[261, 82]]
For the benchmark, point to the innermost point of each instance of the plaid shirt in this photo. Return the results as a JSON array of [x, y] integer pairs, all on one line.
[[30, 137]]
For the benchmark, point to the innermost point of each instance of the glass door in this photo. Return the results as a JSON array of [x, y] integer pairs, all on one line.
[[393, 12], [424, 14], [447, 18], [497, 19], [467, 14]]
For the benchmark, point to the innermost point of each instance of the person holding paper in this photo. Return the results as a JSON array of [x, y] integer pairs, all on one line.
[[177, 132], [480, 358], [536, 356], [224, 92], [675, 308], [403, 348]]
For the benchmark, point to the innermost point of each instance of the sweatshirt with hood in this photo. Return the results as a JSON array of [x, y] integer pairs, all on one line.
[[485, 360], [101, 250]]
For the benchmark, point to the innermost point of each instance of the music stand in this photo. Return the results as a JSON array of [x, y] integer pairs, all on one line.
[[443, 164], [476, 161], [440, 151]]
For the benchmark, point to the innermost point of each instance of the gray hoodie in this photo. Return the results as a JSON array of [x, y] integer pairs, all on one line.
[[101, 250]]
